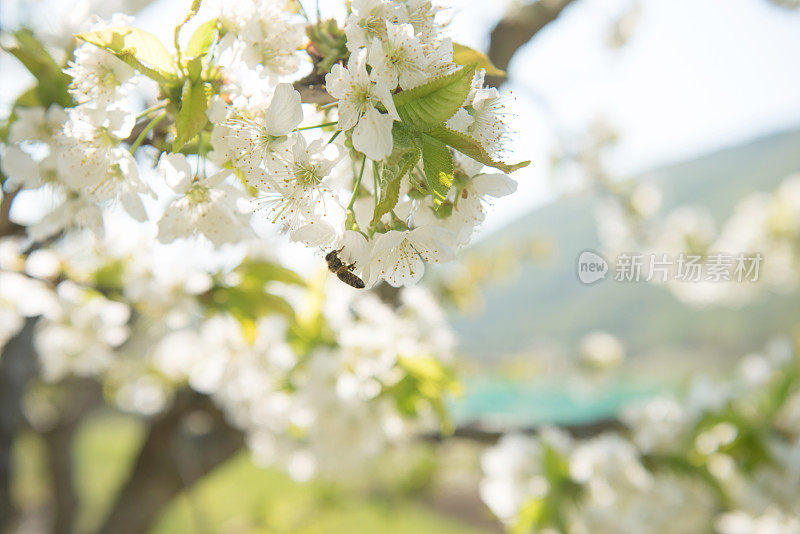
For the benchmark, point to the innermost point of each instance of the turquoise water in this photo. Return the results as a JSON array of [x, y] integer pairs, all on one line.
[[533, 403]]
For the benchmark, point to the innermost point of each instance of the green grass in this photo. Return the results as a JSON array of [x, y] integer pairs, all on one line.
[[238, 497]]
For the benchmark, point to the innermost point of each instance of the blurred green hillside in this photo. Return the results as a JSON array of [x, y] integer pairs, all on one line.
[[546, 303]]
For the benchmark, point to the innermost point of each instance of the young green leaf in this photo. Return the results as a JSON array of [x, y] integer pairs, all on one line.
[[404, 156], [202, 39], [194, 68], [31, 53], [193, 9], [248, 300], [428, 106], [438, 164], [28, 99], [260, 272], [426, 384], [191, 117], [247, 303], [464, 55], [472, 148], [52, 81], [138, 48]]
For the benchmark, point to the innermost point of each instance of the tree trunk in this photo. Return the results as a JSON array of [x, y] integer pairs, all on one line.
[[182, 446], [17, 367]]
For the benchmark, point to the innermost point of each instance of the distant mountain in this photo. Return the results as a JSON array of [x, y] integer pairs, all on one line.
[[548, 304]]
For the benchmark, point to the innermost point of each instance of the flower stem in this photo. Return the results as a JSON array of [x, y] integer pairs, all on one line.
[[302, 11], [324, 124], [147, 129], [335, 134], [148, 111], [375, 173], [195, 7], [358, 184]]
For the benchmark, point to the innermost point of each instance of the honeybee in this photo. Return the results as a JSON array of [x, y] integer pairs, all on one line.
[[343, 271]]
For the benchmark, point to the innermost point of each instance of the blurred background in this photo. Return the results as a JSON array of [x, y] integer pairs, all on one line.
[[654, 127]]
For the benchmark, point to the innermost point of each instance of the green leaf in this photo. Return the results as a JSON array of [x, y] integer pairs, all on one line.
[[191, 118], [52, 81], [247, 304], [138, 48], [258, 273], [430, 105], [248, 300], [202, 39], [529, 517], [194, 68], [464, 55], [438, 163], [32, 54], [426, 383], [28, 99], [328, 45], [110, 276], [472, 148], [404, 156]]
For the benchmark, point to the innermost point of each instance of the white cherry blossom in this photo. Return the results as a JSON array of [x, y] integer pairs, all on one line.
[[260, 35], [36, 124], [399, 58], [97, 75], [204, 206], [470, 205], [296, 192], [368, 20], [359, 95], [399, 257], [483, 119], [249, 142]]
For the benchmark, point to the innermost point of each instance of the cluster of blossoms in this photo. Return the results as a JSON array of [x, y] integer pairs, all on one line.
[[725, 458], [376, 143], [303, 179], [76, 155], [761, 223], [316, 391], [396, 92]]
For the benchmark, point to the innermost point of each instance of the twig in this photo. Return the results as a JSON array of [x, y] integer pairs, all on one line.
[[152, 124], [477, 432]]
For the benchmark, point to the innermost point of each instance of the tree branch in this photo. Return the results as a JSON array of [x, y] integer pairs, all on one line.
[[8, 228], [312, 90], [519, 26], [58, 443], [478, 433], [182, 446], [73, 399]]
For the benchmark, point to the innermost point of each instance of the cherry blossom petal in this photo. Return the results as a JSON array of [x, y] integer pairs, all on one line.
[[284, 112], [373, 135]]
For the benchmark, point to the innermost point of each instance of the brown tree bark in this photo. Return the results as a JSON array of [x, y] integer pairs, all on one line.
[[17, 367], [58, 443], [8, 228], [73, 399], [182, 446], [480, 434], [518, 27]]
